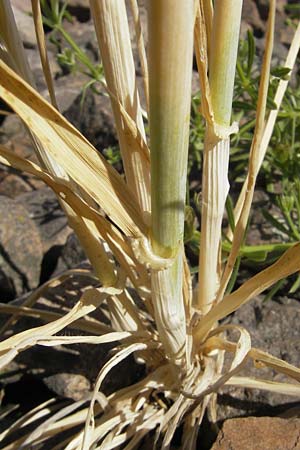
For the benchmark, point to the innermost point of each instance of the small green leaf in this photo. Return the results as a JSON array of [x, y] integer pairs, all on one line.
[[275, 222], [251, 52], [281, 72], [295, 285], [230, 212]]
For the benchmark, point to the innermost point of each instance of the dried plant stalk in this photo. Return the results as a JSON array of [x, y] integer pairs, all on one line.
[[111, 24]]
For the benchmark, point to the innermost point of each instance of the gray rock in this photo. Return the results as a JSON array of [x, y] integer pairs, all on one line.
[[71, 254], [251, 17], [24, 22], [20, 246], [37, 70], [14, 135], [44, 209], [67, 89], [274, 328], [94, 119]]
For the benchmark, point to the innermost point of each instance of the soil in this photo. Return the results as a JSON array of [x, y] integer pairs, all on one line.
[[36, 244]]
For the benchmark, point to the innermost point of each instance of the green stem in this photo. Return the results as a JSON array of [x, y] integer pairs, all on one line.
[[83, 58], [170, 27], [215, 186], [225, 38]]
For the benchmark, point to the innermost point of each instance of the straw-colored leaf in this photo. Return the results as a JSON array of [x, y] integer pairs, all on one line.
[[201, 51], [36, 413], [266, 385], [116, 359], [263, 359], [38, 292], [288, 264], [111, 26], [260, 358], [9, 348], [39, 31], [114, 336], [88, 326], [12, 42], [86, 215], [73, 152], [141, 48]]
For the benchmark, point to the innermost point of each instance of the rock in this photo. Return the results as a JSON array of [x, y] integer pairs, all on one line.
[[15, 136], [84, 35], [94, 119], [37, 70], [44, 209], [71, 254], [274, 328], [67, 89], [69, 385], [24, 22], [259, 433], [14, 185], [8, 291], [250, 16], [20, 246]]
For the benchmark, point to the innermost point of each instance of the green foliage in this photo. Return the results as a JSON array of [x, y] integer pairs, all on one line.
[[70, 56], [113, 156]]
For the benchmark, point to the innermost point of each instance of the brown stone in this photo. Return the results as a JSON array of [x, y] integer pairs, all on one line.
[[69, 385], [259, 433], [14, 185]]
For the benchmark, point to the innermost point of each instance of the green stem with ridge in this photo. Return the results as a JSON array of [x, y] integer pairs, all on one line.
[[215, 186]]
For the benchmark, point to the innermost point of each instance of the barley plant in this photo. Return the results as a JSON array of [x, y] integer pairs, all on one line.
[[132, 227]]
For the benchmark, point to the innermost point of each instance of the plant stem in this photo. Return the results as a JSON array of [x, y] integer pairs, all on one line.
[[215, 186], [170, 67]]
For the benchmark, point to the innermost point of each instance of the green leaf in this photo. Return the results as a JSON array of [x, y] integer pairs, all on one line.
[[251, 51], [230, 212], [295, 285], [275, 222], [243, 105], [257, 255], [281, 72], [274, 289]]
